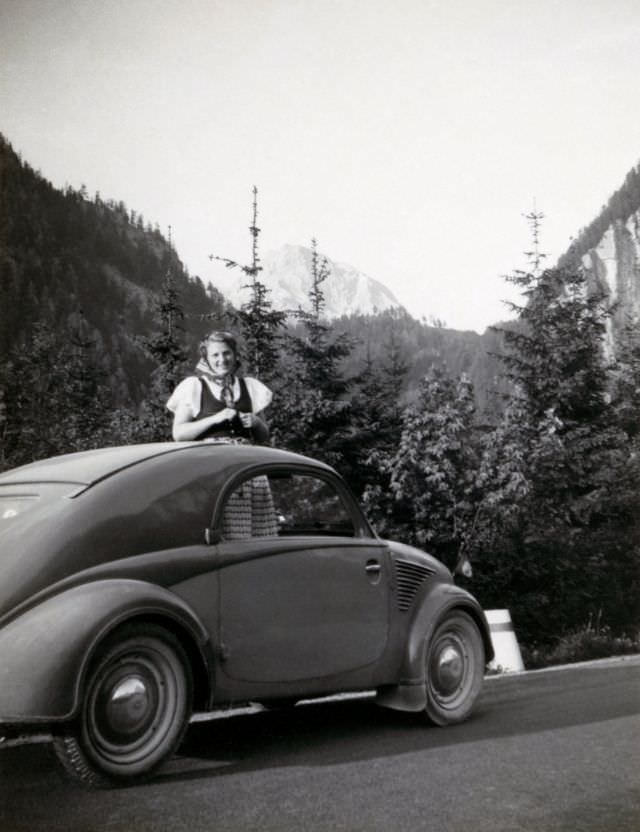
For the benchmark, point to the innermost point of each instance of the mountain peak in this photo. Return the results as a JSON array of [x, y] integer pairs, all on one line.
[[286, 273]]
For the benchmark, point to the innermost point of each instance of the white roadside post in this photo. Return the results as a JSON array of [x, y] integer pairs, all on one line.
[[508, 658]]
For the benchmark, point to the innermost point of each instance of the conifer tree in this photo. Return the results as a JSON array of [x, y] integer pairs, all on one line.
[[625, 388], [55, 397], [377, 416], [166, 348], [261, 324], [555, 359], [313, 413], [554, 529]]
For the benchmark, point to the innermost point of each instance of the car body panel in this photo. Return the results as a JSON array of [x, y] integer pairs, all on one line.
[[431, 606], [143, 504], [306, 612], [45, 651]]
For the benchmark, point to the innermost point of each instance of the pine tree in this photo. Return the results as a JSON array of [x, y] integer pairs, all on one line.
[[313, 414], [555, 526], [625, 392], [167, 350], [55, 397], [377, 417], [555, 360], [261, 325]]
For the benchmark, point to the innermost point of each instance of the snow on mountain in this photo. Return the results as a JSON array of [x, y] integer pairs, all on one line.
[[287, 274]]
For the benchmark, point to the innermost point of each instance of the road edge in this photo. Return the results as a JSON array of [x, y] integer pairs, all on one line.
[[611, 661]]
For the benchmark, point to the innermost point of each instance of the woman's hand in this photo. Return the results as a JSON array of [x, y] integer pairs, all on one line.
[[228, 414], [248, 420]]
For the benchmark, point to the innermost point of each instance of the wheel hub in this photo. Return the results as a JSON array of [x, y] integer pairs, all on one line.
[[449, 669], [128, 704]]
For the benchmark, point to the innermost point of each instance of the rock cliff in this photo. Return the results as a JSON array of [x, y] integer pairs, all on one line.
[[613, 266]]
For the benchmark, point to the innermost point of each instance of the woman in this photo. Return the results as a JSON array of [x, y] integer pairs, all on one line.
[[216, 403]]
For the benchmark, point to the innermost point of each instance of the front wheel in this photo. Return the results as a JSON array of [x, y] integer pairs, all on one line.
[[455, 660], [135, 711]]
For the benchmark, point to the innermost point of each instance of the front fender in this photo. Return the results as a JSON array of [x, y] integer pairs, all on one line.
[[44, 651], [410, 692]]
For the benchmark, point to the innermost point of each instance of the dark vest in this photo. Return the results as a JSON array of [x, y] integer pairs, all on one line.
[[229, 428]]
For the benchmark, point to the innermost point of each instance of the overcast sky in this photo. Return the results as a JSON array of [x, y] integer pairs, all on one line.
[[409, 138]]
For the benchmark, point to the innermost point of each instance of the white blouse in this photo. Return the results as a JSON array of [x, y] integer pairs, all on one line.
[[189, 392]]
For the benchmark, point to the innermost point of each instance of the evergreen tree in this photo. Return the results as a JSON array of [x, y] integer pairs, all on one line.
[[625, 388], [167, 350], [313, 414], [554, 531], [377, 417], [55, 397], [261, 325]]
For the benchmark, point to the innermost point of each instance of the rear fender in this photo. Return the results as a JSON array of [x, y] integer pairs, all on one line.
[[410, 692], [45, 651]]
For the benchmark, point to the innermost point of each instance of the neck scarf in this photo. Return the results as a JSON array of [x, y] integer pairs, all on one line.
[[224, 381]]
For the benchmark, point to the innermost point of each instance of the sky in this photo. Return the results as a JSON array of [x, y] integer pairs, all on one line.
[[410, 139]]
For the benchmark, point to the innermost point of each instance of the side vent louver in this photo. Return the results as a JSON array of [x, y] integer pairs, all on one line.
[[409, 576]]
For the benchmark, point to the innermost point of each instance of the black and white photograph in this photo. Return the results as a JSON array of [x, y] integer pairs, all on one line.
[[319, 416]]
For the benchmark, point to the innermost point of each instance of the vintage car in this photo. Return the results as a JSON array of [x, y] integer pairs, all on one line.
[[141, 584]]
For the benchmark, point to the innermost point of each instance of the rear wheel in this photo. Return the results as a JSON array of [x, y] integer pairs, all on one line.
[[455, 662], [136, 708]]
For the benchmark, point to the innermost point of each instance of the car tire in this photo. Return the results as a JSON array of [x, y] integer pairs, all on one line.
[[135, 709], [455, 660]]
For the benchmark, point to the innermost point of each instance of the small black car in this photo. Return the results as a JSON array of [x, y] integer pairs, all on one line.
[[140, 584]]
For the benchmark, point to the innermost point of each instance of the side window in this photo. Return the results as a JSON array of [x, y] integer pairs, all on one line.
[[308, 505], [250, 511], [292, 504]]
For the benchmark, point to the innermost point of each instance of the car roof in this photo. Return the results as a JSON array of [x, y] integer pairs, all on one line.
[[88, 467]]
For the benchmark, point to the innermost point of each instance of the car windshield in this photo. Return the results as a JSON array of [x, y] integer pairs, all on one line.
[[18, 499]]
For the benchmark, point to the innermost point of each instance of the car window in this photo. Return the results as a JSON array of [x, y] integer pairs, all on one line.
[[250, 511], [292, 504]]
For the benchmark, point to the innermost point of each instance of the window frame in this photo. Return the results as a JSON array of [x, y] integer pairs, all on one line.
[[361, 526]]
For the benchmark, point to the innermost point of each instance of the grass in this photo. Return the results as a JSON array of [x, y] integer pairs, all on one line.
[[593, 641]]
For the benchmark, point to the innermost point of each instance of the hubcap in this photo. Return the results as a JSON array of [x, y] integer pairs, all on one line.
[[449, 670], [128, 705]]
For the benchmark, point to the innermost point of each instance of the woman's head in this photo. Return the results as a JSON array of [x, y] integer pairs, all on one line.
[[220, 350]]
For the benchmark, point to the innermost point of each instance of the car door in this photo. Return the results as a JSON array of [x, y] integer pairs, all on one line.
[[304, 589]]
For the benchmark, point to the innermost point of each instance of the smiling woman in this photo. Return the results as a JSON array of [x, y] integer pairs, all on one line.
[[216, 403]]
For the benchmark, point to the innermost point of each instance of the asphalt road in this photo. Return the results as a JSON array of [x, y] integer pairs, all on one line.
[[552, 750]]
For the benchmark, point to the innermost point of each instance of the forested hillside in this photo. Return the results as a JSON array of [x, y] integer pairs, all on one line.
[[81, 266], [422, 346]]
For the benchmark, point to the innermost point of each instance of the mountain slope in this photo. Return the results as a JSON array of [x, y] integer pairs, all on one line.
[[69, 261]]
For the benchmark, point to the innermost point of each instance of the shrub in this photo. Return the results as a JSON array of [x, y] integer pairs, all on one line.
[[593, 641]]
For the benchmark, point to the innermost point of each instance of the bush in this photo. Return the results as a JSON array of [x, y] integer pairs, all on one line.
[[593, 641]]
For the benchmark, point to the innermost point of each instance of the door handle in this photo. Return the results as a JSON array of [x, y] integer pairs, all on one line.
[[373, 568]]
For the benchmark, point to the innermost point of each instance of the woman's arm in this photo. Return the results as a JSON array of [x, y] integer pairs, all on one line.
[[186, 429], [258, 426]]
